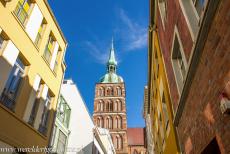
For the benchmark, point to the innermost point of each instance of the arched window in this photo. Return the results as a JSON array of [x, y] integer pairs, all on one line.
[[119, 105], [119, 122], [98, 106], [111, 106], [115, 106], [101, 91], [100, 122], [101, 105], [109, 122], [106, 122], [112, 92], [119, 91], [116, 122], [108, 91], [107, 105], [118, 142]]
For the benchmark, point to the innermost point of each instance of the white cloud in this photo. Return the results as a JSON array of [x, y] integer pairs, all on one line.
[[134, 34], [96, 52]]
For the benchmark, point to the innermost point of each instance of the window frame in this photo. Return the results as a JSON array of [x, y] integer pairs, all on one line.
[[39, 35], [49, 51], [20, 8], [179, 82], [17, 72], [163, 11]]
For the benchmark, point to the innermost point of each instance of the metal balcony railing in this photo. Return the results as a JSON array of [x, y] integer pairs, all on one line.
[[8, 99]]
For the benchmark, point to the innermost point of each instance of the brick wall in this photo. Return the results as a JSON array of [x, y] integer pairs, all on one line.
[[202, 120], [174, 17]]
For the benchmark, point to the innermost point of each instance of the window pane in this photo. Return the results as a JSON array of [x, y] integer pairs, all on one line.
[[12, 85], [199, 4], [61, 143], [1, 41], [22, 10]]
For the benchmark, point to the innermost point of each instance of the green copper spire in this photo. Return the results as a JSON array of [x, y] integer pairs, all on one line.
[[112, 59], [111, 76]]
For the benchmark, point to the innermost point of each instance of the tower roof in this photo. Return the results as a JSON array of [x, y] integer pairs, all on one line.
[[111, 76]]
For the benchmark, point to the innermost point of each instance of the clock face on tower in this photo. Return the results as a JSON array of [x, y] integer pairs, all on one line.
[[110, 106]]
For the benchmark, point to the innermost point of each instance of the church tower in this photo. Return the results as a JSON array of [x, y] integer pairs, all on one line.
[[110, 106]]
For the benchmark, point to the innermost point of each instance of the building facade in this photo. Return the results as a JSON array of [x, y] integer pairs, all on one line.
[[148, 124], [32, 49], [159, 105], [110, 106], [136, 141], [74, 131], [192, 38], [81, 125], [61, 131], [103, 143]]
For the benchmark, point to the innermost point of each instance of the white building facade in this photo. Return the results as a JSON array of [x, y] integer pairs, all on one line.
[[74, 130]]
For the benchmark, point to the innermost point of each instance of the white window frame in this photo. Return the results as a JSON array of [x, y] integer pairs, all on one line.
[[176, 35], [191, 16]]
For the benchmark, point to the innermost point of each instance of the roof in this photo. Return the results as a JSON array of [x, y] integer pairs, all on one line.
[[136, 136]]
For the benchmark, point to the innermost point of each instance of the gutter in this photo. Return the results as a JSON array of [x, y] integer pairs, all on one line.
[[198, 50]]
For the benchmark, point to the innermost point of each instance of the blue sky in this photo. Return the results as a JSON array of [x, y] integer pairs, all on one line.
[[89, 26]]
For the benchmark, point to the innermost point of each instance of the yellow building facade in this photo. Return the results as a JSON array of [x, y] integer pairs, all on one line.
[[32, 49], [159, 102]]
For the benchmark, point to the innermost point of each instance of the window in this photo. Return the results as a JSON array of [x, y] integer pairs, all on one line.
[[118, 91], [49, 49], [118, 122], [22, 10], [199, 5], [101, 91], [102, 106], [45, 115], [163, 9], [109, 123], [63, 112], [35, 107], [156, 63], [193, 10], [109, 91], [118, 142], [11, 89], [110, 106], [99, 106], [61, 145], [179, 63], [1, 42], [212, 148], [40, 33], [53, 135], [165, 112]]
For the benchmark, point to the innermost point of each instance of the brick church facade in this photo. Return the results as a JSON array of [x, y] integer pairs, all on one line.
[[110, 105]]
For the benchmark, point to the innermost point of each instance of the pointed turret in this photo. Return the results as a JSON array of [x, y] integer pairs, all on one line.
[[111, 76], [112, 59]]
